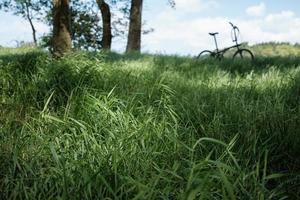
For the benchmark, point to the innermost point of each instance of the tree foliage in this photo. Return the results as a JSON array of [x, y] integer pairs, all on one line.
[[38, 8], [86, 23]]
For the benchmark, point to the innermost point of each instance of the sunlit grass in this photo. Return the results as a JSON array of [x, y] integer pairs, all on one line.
[[96, 126]]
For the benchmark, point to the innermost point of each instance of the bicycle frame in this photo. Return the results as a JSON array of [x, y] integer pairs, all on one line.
[[235, 29], [228, 48], [216, 43], [219, 54]]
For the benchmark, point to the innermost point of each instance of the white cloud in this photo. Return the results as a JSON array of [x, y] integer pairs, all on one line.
[[281, 22], [195, 5], [177, 35], [257, 10]]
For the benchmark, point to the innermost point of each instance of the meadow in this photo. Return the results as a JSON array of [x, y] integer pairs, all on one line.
[[112, 126]]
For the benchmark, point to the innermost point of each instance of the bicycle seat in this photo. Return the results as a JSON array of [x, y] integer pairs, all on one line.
[[212, 34]]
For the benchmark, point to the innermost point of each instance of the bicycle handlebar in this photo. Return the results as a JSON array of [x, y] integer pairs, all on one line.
[[235, 32], [233, 26]]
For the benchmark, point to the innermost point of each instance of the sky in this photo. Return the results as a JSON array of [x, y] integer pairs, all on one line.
[[184, 30]]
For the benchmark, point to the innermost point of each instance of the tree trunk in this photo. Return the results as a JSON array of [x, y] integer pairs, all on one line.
[[29, 18], [62, 42], [135, 27], [106, 23]]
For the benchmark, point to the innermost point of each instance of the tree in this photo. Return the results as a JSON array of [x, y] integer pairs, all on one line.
[[88, 26], [106, 24], [135, 27], [30, 10], [90, 31], [61, 40]]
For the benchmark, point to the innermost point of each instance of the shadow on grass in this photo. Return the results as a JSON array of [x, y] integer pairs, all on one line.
[[259, 65], [264, 120], [26, 63], [112, 57]]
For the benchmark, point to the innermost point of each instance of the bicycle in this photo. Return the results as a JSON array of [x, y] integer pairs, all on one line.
[[219, 54]]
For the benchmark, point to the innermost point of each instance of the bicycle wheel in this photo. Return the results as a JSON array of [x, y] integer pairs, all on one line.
[[243, 54], [205, 55]]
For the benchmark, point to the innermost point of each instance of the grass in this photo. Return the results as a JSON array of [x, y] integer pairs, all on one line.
[[110, 126]]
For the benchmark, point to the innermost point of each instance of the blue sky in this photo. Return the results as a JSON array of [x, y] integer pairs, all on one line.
[[183, 30]]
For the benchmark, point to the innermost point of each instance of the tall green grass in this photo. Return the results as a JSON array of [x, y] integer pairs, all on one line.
[[110, 126]]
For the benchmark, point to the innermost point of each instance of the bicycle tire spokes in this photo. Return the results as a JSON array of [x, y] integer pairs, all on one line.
[[243, 54], [206, 54]]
